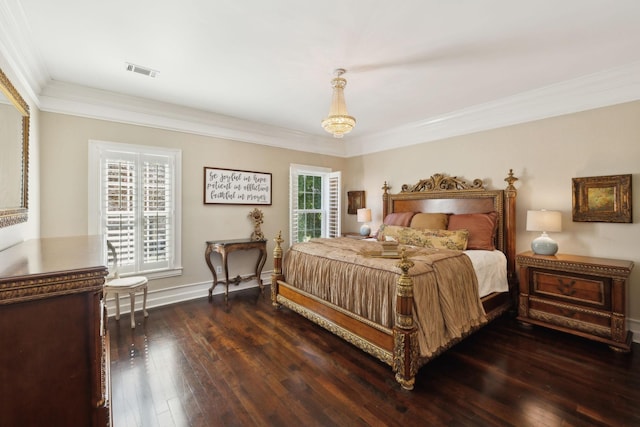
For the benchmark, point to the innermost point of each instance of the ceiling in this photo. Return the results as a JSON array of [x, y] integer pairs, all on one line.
[[266, 66]]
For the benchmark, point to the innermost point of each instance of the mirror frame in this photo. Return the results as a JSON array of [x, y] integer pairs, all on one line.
[[15, 215]]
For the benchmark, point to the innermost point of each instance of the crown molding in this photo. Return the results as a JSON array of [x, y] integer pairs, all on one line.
[[19, 52], [66, 98], [597, 90], [609, 87]]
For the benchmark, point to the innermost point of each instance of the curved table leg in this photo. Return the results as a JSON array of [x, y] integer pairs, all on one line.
[[207, 257], [226, 277], [261, 261]]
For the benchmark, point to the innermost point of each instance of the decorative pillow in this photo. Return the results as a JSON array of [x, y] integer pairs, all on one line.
[[482, 229], [446, 239], [432, 221], [402, 219], [441, 239], [389, 232]]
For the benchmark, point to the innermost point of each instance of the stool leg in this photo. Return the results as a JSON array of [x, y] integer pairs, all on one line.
[[132, 296], [117, 305], [144, 302]]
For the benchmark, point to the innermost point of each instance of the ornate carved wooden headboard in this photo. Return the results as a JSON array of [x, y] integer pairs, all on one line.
[[452, 195]]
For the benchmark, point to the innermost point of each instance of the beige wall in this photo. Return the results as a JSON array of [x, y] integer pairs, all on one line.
[[64, 186], [544, 155]]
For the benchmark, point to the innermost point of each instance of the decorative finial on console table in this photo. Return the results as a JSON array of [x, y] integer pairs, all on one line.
[[256, 216]]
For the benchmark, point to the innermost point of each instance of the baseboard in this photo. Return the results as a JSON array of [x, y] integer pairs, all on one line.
[[634, 327], [176, 294]]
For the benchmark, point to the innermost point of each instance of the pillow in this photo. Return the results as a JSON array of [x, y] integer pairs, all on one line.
[[482, 229], [440, 239], [432, 221], [399, 218], [388, 232], [446, 239]]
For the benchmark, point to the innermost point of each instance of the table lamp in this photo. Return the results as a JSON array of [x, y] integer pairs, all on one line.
[[544, 221], [364, 215]]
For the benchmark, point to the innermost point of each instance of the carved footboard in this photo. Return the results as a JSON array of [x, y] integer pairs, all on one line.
[[397, 347]]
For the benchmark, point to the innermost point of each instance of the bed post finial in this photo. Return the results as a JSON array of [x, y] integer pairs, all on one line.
[[510, 229], [385, 187], [405, 332], [277, 268], [510, 180], [385, 199]]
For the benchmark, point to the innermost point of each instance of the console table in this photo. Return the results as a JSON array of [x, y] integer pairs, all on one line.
[[224, 248]]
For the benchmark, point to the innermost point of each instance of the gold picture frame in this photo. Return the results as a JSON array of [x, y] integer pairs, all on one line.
[[356, 201], [602, 199]]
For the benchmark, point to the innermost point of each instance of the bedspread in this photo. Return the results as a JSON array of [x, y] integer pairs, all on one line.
[[342, 272]]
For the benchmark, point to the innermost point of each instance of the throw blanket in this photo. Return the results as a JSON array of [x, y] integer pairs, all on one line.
[[343, 272]]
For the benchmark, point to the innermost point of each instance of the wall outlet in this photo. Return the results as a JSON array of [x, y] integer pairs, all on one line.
[[218, 269]]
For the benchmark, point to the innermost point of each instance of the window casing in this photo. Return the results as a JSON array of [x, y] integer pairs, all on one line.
[[134, 202], [314, 203]]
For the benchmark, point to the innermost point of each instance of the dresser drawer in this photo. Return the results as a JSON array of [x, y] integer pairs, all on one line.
[[572, 288], [570, 316]]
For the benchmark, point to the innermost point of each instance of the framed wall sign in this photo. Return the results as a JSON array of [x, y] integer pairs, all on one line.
[[602, 199], [356, 201], [236, 187]]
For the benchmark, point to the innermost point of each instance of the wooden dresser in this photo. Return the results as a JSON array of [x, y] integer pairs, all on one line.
[[54, 355], [584, 296]]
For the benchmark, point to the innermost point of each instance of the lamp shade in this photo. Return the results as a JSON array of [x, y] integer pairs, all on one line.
[[544, 221], [364, 215]]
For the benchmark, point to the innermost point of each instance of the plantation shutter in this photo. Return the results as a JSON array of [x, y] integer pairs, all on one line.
[[119, 211], [333, 204], [157, 209], [137, 212], [293, 205]]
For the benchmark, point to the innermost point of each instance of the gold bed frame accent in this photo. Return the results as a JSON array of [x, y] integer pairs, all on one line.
[[398, 347], [369, 347]]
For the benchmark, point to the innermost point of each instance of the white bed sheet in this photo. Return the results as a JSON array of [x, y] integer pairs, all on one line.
[[491, 270]]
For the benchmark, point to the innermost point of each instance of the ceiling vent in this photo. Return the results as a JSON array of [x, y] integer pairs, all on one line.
[[141, 70]]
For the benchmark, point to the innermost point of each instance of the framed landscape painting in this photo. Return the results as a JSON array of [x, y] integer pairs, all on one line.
[[602, 199]]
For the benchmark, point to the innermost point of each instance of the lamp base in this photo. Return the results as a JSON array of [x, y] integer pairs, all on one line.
[[544, 245], [365, 230]]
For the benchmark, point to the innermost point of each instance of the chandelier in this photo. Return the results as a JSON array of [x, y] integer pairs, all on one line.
[[339, 121]]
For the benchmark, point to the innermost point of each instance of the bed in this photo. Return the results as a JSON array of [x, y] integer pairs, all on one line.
[[407, 307]]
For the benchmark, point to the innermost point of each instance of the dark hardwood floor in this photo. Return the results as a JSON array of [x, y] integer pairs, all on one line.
[[201, 364]]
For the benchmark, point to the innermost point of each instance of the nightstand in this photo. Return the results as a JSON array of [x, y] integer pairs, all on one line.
[[584, 296], [355, 236]]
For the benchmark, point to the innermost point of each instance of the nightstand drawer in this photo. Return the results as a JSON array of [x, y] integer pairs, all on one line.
[[573, 288], [571, 316]]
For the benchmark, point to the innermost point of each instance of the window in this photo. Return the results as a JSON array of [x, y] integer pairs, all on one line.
[[134, 202], [314, 203]]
